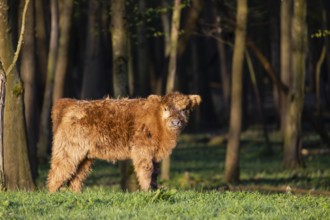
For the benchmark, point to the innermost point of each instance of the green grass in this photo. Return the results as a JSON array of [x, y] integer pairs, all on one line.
[[102, 203], [196, 189]]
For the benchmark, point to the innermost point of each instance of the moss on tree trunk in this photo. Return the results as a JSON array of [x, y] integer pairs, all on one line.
[[16, 160]]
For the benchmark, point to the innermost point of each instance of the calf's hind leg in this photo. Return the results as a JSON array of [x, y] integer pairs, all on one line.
[[76, 182], [64, 165]]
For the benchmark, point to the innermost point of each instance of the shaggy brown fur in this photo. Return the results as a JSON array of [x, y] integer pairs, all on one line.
[[143, 130]]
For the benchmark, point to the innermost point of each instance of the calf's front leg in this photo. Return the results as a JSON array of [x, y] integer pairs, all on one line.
[[144, 169]]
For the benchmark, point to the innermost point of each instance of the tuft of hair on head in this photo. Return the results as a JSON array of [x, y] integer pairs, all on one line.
[[195, 100]]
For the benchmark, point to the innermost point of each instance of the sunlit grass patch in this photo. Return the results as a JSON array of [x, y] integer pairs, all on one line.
[[103, 203]]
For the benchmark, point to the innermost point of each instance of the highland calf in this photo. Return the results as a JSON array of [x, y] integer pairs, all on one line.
[[143, 130]]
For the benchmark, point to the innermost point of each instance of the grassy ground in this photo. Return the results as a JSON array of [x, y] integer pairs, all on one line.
[[102, 203], [196, 189]]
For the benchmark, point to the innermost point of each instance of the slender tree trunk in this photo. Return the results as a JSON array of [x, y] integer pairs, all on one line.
[[224, 76], [143, 85], [44, 128], [119, 35], [119, 48], [274, 27], [2, 106], [92, 61], [225, 80], [166, 29], [260, 107], [16, 160], [63, 48], [292, 137], [190, 25], [232, 155], [195, 67], [173, 47], [268, 67], [286, 15], [165, 167], [326, 22], [131, 76], [41, 44], [318, 80], [28, 74]]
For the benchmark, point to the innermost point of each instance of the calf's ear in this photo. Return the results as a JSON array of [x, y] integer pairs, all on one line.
[[195, 100], [155, 98]]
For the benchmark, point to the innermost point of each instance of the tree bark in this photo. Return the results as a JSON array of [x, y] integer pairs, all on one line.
[[286, 15], [29, 78], [224, 76], [292, 137], [41, 44], [92, 61], [235, 124], [63, 48], [143, 78], [119, 35], [190, 25], [318, 80], [16, 161], [119, 48], [2, 106], [174, 37], [326, 22], [45, 127], [173, 47], [274, 36], [268, 149]]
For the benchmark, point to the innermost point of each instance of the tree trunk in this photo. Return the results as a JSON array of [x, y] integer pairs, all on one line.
[[326, 22], [63, 48], [190, 25], [318, 80], [274, 29], [41, 44], [119, 48], [173, 47], [119, 35], [92, 61], [2, 106], [224, 76], [165, 167], [28, 74], [45, 127], [286, 15], [143, 85], [166, 30], [292, 137], [195, 69], [16, 160], [268, 67], [232, 154]]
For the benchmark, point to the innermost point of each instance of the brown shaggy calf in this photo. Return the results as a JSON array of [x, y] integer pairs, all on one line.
[[143, 130]]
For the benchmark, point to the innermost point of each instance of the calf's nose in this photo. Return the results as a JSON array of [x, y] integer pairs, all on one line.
[[176, 123]]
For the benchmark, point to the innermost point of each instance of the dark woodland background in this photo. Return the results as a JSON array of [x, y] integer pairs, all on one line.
[[258, 64]]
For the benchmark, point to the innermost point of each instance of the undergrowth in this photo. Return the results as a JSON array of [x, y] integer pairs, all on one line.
[[196, 189]]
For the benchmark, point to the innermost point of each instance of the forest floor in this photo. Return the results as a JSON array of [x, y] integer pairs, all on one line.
[[198, 164], [196, 189]]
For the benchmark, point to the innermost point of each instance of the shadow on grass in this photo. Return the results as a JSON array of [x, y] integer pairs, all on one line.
[[200, 166]]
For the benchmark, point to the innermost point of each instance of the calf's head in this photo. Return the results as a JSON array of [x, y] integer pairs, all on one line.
[[176, 108]]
